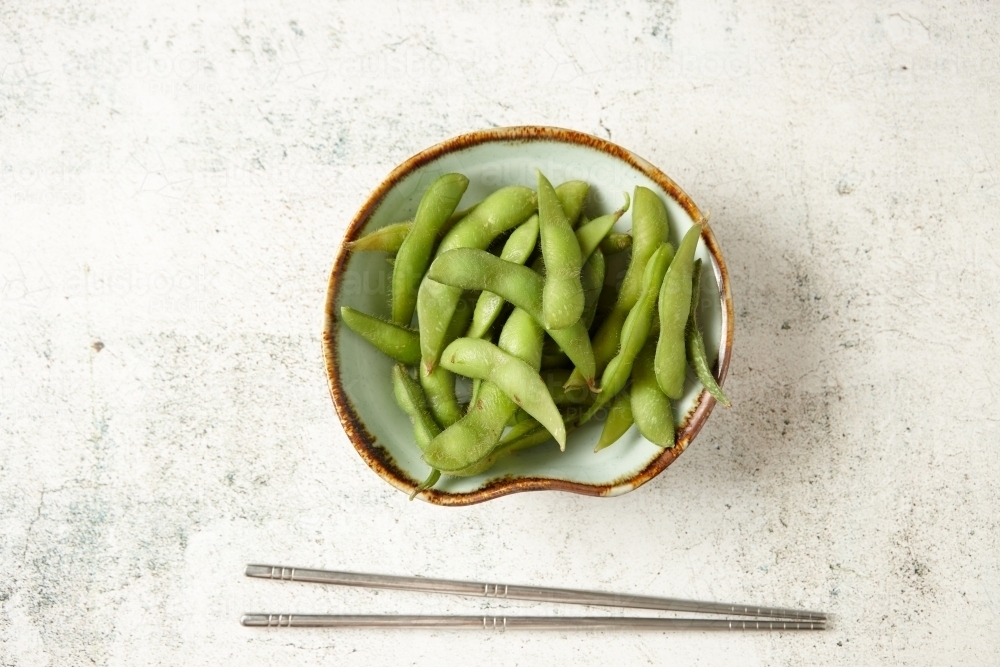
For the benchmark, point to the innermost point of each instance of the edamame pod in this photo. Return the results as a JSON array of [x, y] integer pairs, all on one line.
[[572, 197], [387, 239], [517, 249], [524, 434], [504, 209], [562, 295], [651, 408], [591, 234], [439, 383], [400, 343], [410, 398], [695, 344], [618, 422], [649, 230], [675, 307], [439, 201], [467, 268], [475, 435], [390, 238], [476, 358], [635, 331], [428, 483], [615, 242], [592, 280]]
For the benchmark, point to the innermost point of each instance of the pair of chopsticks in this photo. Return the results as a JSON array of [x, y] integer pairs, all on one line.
[[765, 618]]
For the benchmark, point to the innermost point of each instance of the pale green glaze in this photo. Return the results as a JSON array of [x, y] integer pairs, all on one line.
[[365, 372]]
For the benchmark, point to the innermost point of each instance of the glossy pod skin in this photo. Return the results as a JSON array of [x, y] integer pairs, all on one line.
[[618, 422], [695, 343], [675, 307], [504, 209], [517, 249], [474, 436], [438, 203], [562, 294], [400, 343], [649, 231], [476, 358], [467, 268], [635, 331], [651, 409]]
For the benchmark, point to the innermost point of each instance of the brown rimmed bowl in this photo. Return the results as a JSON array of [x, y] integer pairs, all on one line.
[[359, 375]]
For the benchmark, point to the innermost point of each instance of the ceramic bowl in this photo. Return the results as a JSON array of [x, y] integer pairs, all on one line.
[[359, 375]]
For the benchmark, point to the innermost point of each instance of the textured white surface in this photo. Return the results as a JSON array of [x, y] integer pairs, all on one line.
[[174, 182]]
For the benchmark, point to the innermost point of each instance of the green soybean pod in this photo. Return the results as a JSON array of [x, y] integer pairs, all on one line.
[[428, 483], [517, 249], [675, 307], [439, 383], [504, 209], [390, 238], [695, 344], [592, 281], [439, 201], [573, 196], [619, 421], [400, 343], [591, 234], [635, 331], [616, 242], [477, 358], [651, 408], [467, 268], [411, 399], [562, 295], [386, 239], [524, 434], [649, 231], [478, 433], [473, 436]]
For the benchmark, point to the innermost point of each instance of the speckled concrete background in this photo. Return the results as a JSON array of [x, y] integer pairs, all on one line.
[[174, 182]]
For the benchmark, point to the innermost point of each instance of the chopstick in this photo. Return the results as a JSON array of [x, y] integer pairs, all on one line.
[[513, 592], [502, 623]]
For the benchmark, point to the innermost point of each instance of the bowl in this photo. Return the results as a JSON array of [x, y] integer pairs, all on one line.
[[359, 375]]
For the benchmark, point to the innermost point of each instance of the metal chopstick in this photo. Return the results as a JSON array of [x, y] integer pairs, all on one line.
[[502, 623], [532, 593]]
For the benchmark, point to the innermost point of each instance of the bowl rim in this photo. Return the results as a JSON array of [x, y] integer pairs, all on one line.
[[380, 461]]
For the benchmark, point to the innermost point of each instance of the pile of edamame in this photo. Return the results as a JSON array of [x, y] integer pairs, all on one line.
[[549, 341]]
